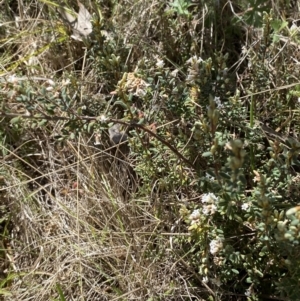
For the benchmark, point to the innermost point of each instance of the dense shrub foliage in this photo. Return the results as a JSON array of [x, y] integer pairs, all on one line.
[[201, 202]]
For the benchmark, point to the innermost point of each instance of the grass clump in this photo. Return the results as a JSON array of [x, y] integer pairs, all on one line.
[[200, 202]]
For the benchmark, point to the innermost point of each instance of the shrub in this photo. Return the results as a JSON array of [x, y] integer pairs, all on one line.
[[205, 205]]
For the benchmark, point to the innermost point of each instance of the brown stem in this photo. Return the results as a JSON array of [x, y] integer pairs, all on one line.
[[91, 118]]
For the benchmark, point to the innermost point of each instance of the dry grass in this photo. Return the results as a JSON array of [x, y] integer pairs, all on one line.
[[72, 229], [76, 231], [75, 222]]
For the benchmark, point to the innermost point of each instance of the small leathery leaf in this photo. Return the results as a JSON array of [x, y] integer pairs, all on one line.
[[15, 120]]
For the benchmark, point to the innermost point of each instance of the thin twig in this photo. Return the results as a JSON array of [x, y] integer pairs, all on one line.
[[93, 118]]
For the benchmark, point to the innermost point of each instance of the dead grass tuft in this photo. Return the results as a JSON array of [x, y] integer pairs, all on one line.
[[74, 231]]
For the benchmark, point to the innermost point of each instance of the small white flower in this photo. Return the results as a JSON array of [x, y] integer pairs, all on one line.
[[209, 177], [174, 73], [49, 88], [245, 206], [205, 279], [191, 77], [244, 50], [51, 82], [206, 210], [209, 198], [12, 79], [102, 118], [159, 63], [218, 102], [213, 209], [66, 82], [294, 28], [248, 292], [215, 246], [209, 209], [194, 60], [193, 70], [195, 215]]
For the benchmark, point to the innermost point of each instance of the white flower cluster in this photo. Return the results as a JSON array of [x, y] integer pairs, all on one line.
[[248, 293], [245, 206], [159, 63], [294, 29], [193, 69], [215, 281], [209, 200], [209, 177], [218, 102], [174, 73], [12, 79], [195, 216], [215, 246]]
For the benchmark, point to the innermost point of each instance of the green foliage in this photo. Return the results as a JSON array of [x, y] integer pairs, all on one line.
[[210, 117], [181, 6], [253, 16]]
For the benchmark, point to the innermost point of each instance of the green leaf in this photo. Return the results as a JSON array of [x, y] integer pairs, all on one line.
[[16, 120], [120, 103], [238, 218], [90, 126], [220, 231], [42, 122], [278, 25], [295, 222], [225, 175], [207, 154], [4, 292], [259, 273], [60, 292]]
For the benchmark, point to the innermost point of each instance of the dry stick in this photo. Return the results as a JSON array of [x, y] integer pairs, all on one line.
[[91, 118], [172, 148]]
